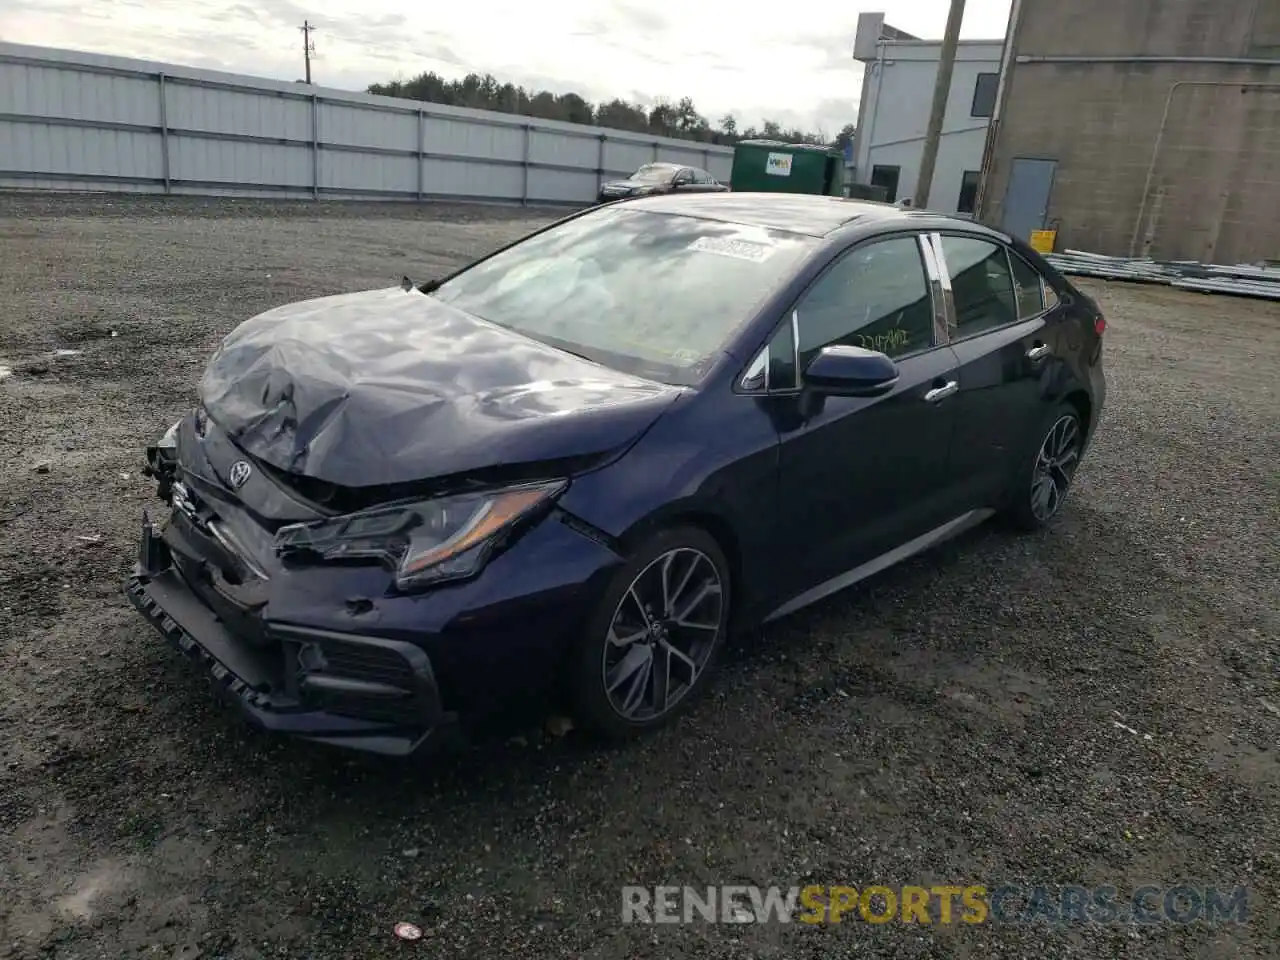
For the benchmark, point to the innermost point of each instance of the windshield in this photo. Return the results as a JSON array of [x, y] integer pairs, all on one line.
[[650, 294], [654, 173]]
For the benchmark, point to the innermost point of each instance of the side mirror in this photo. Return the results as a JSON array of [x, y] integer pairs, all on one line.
[[847, 371]]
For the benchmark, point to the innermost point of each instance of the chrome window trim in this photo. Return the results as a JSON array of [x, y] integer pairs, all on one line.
[[944, 275], [944, 278], [795, 345], [941, 332]]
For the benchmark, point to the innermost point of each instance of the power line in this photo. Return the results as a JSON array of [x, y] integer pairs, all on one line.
[[308, 48]]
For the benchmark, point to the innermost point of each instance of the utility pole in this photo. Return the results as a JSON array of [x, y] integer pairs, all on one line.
[[941, 90], [308, 48]]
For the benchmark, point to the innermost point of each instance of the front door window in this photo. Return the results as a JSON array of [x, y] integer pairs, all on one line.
[[876, 296]]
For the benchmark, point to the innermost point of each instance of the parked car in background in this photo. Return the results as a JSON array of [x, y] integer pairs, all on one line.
[[657, 178], [570, 468]]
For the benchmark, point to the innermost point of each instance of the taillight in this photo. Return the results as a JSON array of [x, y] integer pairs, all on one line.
[[1100, 325]]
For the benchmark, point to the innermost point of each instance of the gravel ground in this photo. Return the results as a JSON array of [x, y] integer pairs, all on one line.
[[957, 720]]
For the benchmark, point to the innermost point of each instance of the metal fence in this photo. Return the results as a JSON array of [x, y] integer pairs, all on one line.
[[78, 121]]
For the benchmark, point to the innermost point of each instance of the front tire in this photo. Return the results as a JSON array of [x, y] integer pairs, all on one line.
[[652, 642], [1044, 478]]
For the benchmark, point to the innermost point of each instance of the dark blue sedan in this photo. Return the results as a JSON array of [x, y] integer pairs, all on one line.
[[573, 467]]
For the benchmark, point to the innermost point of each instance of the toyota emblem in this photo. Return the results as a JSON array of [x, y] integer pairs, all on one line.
[[239, 474]]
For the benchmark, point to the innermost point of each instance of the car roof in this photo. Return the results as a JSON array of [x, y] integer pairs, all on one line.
[[811, 214]]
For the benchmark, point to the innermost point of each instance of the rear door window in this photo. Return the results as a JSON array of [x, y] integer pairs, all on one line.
[[981, 285]]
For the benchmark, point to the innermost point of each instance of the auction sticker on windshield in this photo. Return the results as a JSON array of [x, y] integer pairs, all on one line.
[[738, 249]]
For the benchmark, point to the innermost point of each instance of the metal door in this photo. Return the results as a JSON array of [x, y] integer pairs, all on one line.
[[1026, 202]]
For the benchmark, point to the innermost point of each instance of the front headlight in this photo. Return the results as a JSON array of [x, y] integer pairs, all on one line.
[[427, 541]]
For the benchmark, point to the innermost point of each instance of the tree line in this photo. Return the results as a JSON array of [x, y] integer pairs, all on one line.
[[681, 120]]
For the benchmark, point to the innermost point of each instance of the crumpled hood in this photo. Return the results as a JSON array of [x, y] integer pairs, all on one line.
[[391, 386]]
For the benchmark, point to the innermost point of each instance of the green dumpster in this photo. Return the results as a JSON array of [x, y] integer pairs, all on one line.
[[770, 166]]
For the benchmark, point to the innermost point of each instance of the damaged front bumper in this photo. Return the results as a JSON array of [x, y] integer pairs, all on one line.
[[366, 693], [335, 652]]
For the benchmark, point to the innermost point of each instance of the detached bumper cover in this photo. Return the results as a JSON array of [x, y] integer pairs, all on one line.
[[364, 693]]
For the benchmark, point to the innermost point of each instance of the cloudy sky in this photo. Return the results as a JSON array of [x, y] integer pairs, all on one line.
[[789, 61]]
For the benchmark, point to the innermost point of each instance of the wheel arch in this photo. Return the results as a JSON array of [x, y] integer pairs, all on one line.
[[711, 522], [1079, 398]]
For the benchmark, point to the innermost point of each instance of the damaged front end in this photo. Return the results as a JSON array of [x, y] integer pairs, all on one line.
[[364, 536], [205, 578]]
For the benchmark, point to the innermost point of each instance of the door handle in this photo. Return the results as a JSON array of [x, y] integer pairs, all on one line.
[[1039, 351], [942, 392]]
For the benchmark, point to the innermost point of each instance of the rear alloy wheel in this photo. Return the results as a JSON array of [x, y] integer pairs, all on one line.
[[1040, 491], [655, 636]]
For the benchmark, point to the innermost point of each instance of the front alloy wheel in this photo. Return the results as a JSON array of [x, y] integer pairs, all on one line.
[[654, 638], [663, 630]]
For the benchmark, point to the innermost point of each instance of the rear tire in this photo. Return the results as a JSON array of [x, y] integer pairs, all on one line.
[[1046, 470], [650, 646]]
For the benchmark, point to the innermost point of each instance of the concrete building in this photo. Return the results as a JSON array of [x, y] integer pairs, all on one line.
[[1141, 127], [897, 93]]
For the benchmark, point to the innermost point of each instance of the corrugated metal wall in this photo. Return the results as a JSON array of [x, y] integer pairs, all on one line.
[[78, 121]]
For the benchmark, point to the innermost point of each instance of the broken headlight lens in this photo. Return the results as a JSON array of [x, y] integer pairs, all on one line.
[[427, 541]]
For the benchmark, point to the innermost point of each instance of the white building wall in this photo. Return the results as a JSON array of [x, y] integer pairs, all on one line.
[[897, 97]]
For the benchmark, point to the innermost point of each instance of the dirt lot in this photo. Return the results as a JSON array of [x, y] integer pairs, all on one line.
[[1096, 705]]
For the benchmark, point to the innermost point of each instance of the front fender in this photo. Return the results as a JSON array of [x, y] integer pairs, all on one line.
[[712, 462]]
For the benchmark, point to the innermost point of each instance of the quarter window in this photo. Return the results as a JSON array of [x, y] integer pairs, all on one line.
[[981, 284], [782, 359], [876, 296], [774, 367], [1027, 289]]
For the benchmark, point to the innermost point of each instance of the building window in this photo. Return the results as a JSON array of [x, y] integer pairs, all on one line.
[[968, 192], [984, 95], [887, 177]]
